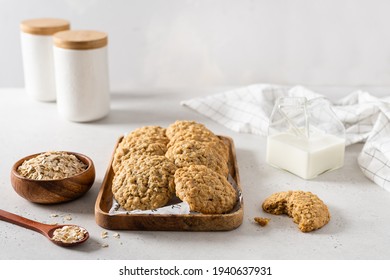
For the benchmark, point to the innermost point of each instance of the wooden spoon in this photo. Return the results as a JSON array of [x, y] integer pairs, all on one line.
[[45, 229]]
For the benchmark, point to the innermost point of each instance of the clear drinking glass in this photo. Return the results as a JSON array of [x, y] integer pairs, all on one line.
[[305, 137]]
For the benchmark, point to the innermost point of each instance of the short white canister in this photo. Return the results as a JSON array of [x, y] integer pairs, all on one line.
[[81, 71], [37, 54]]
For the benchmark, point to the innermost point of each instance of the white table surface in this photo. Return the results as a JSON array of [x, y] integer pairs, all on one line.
[[360, 210]]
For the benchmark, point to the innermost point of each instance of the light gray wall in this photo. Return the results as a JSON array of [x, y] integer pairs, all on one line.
[[200, 43]]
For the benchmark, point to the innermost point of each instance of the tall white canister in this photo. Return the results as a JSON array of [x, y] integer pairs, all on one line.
[[81, 71], [37, 54]]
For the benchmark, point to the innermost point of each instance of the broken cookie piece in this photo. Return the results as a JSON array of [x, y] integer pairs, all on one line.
[[306, 208]]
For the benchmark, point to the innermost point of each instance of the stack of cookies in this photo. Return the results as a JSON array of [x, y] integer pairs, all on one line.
[[153, 164], [143, 175]]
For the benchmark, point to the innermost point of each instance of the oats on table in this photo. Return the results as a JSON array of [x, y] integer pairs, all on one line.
[[51, 166], [104, 234], [68, 218]]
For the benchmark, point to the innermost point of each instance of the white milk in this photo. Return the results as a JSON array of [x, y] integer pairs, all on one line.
[[305, 157]]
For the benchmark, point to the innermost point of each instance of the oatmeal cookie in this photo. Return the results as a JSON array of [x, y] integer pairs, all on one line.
[[147, 140], [203, 136], [190, 130], [204, 190], [145, 182], [189, 126], [155, 132], [306, 208], [191, 152], [213, 141], [135, 148]]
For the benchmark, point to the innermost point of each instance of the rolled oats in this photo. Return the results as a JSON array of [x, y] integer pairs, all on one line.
[[104, 234], [69, 234], [51, 166], [68, 218]]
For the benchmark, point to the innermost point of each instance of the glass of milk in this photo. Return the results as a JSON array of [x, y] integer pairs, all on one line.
[[305, 137]]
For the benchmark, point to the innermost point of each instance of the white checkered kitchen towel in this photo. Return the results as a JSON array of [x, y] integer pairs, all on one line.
[[366, 119]]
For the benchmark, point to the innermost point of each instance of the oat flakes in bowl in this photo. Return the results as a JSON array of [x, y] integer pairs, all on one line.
[[53, 177]]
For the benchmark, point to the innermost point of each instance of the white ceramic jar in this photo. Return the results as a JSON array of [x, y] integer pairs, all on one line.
[[81, 71], [37, 54]]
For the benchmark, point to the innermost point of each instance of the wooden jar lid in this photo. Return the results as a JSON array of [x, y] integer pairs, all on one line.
[[80, 39], [44, 26]]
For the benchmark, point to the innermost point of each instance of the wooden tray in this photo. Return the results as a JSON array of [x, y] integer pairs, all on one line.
[[169, 222]]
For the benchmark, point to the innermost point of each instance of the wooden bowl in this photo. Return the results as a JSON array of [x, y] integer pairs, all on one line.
[[53, 191]]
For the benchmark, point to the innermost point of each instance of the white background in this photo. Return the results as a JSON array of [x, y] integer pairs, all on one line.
[[203, 43]]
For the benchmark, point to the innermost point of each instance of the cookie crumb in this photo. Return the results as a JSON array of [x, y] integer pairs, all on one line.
[[261, 221]]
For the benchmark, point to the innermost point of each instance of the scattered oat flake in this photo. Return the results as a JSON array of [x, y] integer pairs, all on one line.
[[105, 245], [53, 215], [104, 234], [262, 221], [116, 235], [68, 218]]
